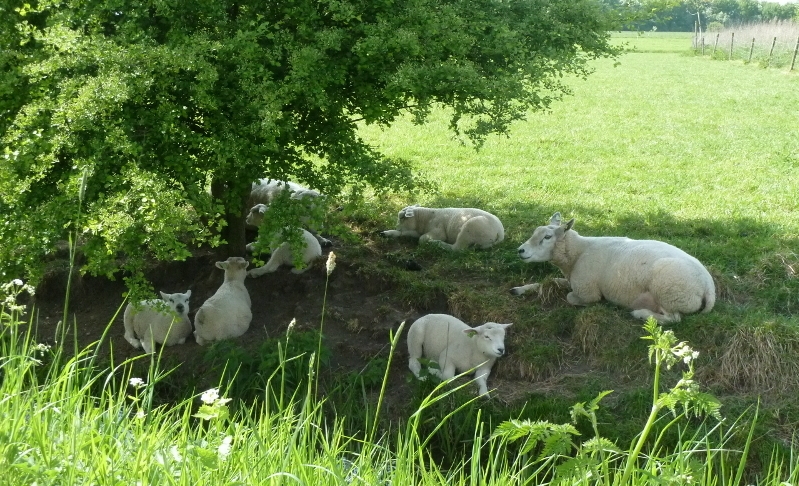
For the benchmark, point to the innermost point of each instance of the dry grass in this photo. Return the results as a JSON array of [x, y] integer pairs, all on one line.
[[783, 34], [762, 359]]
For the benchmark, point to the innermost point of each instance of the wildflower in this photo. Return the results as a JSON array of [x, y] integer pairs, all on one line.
[[17, 282], [140, 414], [291, 326], [136, 382], [225, 447], [41, 348], [331, 263], [175, 454], [211, 397]]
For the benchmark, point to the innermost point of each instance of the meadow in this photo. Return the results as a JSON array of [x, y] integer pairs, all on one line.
[[660, 145]]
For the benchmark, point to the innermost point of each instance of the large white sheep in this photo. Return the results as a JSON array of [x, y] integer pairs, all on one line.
[[226, 314], [163, 321], [453, 228], [650, 277], [283, 256], [265, 191], [455, 347]]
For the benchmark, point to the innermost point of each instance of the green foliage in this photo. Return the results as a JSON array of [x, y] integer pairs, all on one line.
[[160, 101]]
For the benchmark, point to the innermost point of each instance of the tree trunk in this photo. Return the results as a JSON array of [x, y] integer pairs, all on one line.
[[233, 233]]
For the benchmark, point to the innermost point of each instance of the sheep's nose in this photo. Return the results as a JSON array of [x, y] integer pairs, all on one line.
[[501, 351], [179, 308], [521, 250]]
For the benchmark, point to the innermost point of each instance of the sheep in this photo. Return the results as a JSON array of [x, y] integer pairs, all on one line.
[[226, 314], [163, 321], [650, 277], [283, 256], [265, 191], [456, 347], [452, 228]]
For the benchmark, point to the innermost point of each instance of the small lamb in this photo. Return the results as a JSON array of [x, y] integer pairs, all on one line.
[[154, 321], [226, 314], [264, 192], [453, 228], [283, 256], [650, 277], [455, 346]]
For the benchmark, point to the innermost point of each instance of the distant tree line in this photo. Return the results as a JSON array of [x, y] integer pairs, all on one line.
[[681, 15]]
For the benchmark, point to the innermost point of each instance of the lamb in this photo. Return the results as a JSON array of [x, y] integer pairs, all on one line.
[[163, 321], [283, 256], [265, 191], [226, 314], [650, 277], [455, 346], [452, 228]]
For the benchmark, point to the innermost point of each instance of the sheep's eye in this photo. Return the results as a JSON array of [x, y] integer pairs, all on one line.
[[547, 237]]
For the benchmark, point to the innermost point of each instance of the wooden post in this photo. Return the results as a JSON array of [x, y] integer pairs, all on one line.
[[703, 46], [732, 41], [795, 50], [696, 37], [715, 44], [768, 63], [751, 48]]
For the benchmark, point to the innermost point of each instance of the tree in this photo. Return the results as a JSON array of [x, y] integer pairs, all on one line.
[[150, 102]]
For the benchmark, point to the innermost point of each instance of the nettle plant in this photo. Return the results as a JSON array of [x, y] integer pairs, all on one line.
[[600, 457]]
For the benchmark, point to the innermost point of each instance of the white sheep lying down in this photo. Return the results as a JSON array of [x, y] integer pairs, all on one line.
[[455, 346], [265, 191], [453, 228], [226, 314], [163, 321], [283, 256], [650, 277]]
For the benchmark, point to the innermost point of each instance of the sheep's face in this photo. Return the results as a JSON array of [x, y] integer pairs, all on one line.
[[178, 303], [489, 338], [256, 215], [540, 246]]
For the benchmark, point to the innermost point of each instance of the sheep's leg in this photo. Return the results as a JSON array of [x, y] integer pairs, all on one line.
[[199, 340], [147, 341], [416, 367], [662, 318], [481, 378], [132, 339], [272, 265], [533, 287], [435, 239]]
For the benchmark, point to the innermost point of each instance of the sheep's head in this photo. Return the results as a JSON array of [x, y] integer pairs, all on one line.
[[178, 303], [490, 338], [540, 246], [256, 215], [405, 218], [235, 268]]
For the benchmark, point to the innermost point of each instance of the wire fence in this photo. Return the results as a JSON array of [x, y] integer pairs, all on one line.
[[774, 44]]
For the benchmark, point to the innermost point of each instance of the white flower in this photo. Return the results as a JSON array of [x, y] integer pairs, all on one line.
[[136, 382], [175, 454], [331, 263], [17, 282], [225, 447], [140, 414], [209, 397]]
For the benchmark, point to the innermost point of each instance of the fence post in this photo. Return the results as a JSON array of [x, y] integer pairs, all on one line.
[[752, 48], [715, 44], [795, 50], [768, 63], [703, 46], [732, 41]]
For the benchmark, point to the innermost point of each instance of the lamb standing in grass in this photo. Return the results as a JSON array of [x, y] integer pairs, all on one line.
[[152, 321], [283, 254], [453, 228], [650, 277], [226, 314], [455, 346]]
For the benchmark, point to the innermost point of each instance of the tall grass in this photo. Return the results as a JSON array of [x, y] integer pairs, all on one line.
[[774, 43]]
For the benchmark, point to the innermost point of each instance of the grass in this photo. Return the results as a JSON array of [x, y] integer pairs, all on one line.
[[661, 146]]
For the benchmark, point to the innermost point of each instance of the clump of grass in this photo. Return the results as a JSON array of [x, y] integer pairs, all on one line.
[[763, 359]]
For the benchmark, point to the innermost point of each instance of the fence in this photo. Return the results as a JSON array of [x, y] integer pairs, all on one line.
[[767, 45]]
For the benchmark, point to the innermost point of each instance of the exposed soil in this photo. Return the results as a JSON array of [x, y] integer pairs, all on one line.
[[361, 312]]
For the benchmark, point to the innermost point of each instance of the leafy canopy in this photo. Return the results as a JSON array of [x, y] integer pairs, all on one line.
[[157, 101]]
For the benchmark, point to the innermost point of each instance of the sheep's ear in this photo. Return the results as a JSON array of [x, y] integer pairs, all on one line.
[[555, 219], [408, 212], [188, 293], [471, 332], [163, 295], [262, 208], [569, 224], [505, 326], [222, 265]]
